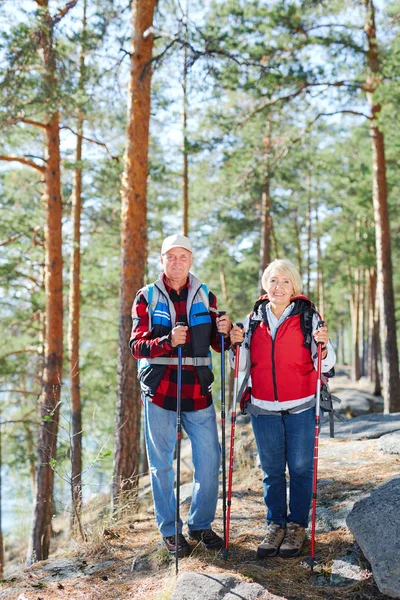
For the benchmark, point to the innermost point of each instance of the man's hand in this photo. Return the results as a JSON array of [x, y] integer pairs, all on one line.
[[223, 325], [178, 335]]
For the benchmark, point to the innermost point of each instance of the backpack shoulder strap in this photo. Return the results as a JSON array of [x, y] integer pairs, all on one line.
[[205, 295], [306, 323], [151, 294]]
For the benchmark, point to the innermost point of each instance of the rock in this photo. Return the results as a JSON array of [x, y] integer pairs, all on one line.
[[375, 524], [63, 569], [357, 402], [331, 519], [185, 493], [390, 443], [346, 571], [193, 586], [368, 426]]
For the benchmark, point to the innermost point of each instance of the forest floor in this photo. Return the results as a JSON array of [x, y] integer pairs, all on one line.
[[126, 560]]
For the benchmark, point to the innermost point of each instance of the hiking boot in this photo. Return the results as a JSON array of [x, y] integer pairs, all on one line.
[[183, 547], [208, 538], [270, 544], [293, 541]]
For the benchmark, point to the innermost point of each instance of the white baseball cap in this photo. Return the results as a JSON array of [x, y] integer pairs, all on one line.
[[176, 241]]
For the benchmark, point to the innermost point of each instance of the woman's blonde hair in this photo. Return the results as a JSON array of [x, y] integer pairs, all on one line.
[[287, 268]]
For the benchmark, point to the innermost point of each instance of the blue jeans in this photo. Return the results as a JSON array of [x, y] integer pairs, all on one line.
[[286, 439], [160, 431]]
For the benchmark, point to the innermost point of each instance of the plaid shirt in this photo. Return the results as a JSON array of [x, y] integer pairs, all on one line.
[[144, 346]]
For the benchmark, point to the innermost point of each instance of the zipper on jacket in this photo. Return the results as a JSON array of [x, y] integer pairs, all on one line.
[[273, 368]]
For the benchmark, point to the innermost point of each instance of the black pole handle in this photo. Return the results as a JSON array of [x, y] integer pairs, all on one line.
[[241, 327], [320, 324], [180, 324]]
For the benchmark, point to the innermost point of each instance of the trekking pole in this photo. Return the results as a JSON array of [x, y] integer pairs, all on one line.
[[316, 440], [233, 422], [178, 451], [223, 444]]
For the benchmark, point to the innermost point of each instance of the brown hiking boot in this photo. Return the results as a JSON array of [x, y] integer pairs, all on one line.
[[270, 544], [183, 547], [293, 541], [208, 538]]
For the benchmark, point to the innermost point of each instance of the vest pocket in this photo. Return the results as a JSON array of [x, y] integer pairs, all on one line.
[[206, 377], [150, 378]]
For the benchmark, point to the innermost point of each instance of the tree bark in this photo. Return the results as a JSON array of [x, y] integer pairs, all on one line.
[[133, 250], [309, 234], [74, 309], [1, 506], [52, 375], [265, 233], [385, 293], [320, 278], [374, 335], [185, 175]]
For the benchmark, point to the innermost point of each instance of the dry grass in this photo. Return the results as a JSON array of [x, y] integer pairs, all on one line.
[[142, 570]]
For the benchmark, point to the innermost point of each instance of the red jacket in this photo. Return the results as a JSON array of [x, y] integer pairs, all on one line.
[[281, 369]]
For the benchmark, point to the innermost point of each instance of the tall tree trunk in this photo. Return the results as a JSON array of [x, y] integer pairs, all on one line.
[[75, 306], [309, 233], [355, 323], [320, 278], [297, 231], [265, 233], [265, 245], [185, 175], [374, 335], [390, 357], [52, 376], [1, 504], [133, 249]]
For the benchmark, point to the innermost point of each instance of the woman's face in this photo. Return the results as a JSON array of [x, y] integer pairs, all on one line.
[[280, 289]]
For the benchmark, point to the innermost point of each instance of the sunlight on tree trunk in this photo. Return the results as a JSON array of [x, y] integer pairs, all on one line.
[[133, 251], [385, 293]]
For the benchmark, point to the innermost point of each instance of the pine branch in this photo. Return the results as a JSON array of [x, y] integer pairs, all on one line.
[[20, 118], [11, 239], [92, 141], [24, 392], [63, 11], [23, 161], [27, 350]]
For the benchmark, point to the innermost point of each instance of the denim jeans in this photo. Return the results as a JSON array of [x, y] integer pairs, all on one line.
[[160, 431], [286, 440]]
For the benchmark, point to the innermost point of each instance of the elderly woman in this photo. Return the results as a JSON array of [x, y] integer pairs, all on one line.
[[280, 357]]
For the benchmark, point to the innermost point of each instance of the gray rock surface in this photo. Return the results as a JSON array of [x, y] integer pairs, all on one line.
[[367, 426], [347, 571], [196, 586], [375, 524], [356, 402], [390, 443]]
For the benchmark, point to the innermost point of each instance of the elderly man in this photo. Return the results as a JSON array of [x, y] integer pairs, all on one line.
[[179, 297]]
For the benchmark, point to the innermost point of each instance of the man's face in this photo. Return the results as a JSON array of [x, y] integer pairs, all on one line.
[[176, 264]]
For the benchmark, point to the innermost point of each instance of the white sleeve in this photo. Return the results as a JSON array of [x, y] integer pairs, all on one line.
[[329, 361], [244, 356]]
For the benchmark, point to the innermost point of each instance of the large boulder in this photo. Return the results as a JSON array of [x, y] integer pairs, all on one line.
[[390, 443], [217, 586], [367, 426], [375, 524]]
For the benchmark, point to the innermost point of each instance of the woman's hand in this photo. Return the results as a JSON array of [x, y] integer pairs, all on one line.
[[237, 335], [321, 336]]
